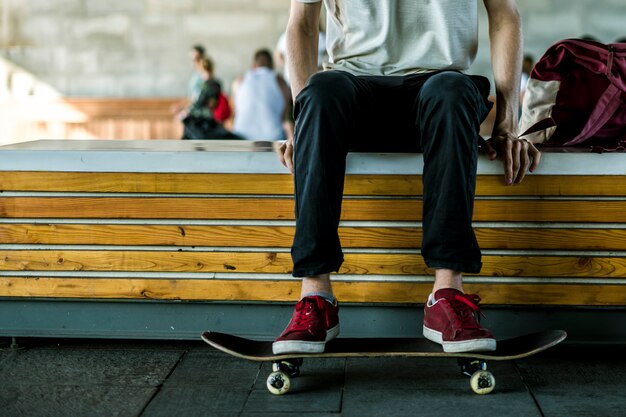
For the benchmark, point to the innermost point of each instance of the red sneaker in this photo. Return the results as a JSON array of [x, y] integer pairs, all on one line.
[[315, 322], [451, 319]]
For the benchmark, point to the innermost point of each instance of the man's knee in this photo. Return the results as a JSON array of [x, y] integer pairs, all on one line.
[[326, 87], [450, 88]]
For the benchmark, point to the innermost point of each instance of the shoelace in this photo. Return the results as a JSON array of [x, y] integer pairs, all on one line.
[[466, 311], [304, 316]]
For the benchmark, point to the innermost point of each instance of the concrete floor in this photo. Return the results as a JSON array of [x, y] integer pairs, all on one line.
[[48, 377]]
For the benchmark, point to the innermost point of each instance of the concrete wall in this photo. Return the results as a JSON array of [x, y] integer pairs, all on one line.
[[139, 48]]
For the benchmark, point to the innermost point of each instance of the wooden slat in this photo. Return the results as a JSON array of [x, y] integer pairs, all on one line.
[[551, 238], [271, 262], [147, 208], [149, 234], [108, 182], [264, 184], [146, 261], [267, 290], [550, 211], [554, 266], [282, 209], [553, 185], [282, 236], [282, 184], [192, 235]]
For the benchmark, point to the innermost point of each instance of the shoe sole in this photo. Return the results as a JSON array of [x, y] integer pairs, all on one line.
[[301, 346], [472, 345]]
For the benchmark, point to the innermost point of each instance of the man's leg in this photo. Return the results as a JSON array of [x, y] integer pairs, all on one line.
[[449, 115], [319, 284], [326, 113], [450, 109], [447, 278]]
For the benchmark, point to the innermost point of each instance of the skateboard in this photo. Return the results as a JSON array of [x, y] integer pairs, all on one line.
[[473, 364]]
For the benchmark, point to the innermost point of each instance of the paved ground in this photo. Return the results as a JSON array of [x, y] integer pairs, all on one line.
[[69, 378]]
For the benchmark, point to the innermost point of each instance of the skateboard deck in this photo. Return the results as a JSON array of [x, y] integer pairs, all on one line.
[[472, 364]]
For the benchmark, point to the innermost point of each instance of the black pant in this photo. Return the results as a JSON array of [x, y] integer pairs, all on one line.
[[438, 114], [196, 127]]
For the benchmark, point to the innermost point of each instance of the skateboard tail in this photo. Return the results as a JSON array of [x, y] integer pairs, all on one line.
[[245, 348]]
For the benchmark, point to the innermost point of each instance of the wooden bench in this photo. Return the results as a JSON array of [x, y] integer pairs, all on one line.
[[88, 118], [213, 221]]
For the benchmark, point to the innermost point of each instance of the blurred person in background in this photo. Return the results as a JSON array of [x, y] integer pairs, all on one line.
[[262, 102], [196, 54], [199, 120]]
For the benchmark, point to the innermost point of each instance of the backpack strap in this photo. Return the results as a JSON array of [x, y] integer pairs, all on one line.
[[607, 105], [542, 124]]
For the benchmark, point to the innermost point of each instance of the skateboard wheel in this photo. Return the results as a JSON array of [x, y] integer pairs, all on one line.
[[482, 382], [278, 383]]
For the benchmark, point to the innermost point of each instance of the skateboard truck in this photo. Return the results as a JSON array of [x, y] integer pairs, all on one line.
[[481, 380]]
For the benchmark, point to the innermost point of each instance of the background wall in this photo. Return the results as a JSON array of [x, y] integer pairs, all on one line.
[[130, 47], [139, 48]]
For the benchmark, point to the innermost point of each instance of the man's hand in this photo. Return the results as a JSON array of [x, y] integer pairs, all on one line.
[[519, 156], [285, 154], [302, 41]]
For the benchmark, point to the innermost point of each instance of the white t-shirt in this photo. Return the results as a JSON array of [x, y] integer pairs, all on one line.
[[399, 37], [259, 106]]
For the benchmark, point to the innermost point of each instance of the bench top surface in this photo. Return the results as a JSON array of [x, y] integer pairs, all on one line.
[[253, 157]]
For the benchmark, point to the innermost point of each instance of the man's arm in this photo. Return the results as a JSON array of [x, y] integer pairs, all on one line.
[[286, 116], [302, 40], [505, 35], [302, 43]]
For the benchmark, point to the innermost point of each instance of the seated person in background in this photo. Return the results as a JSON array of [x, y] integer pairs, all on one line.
[[196, 54], [200, 120], [262, 102]]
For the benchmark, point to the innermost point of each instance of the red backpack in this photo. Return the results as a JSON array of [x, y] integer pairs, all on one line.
[[576, 95], [222, 110]]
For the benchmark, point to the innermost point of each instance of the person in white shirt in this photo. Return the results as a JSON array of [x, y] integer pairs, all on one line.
[[395, 81], [262, 102]]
